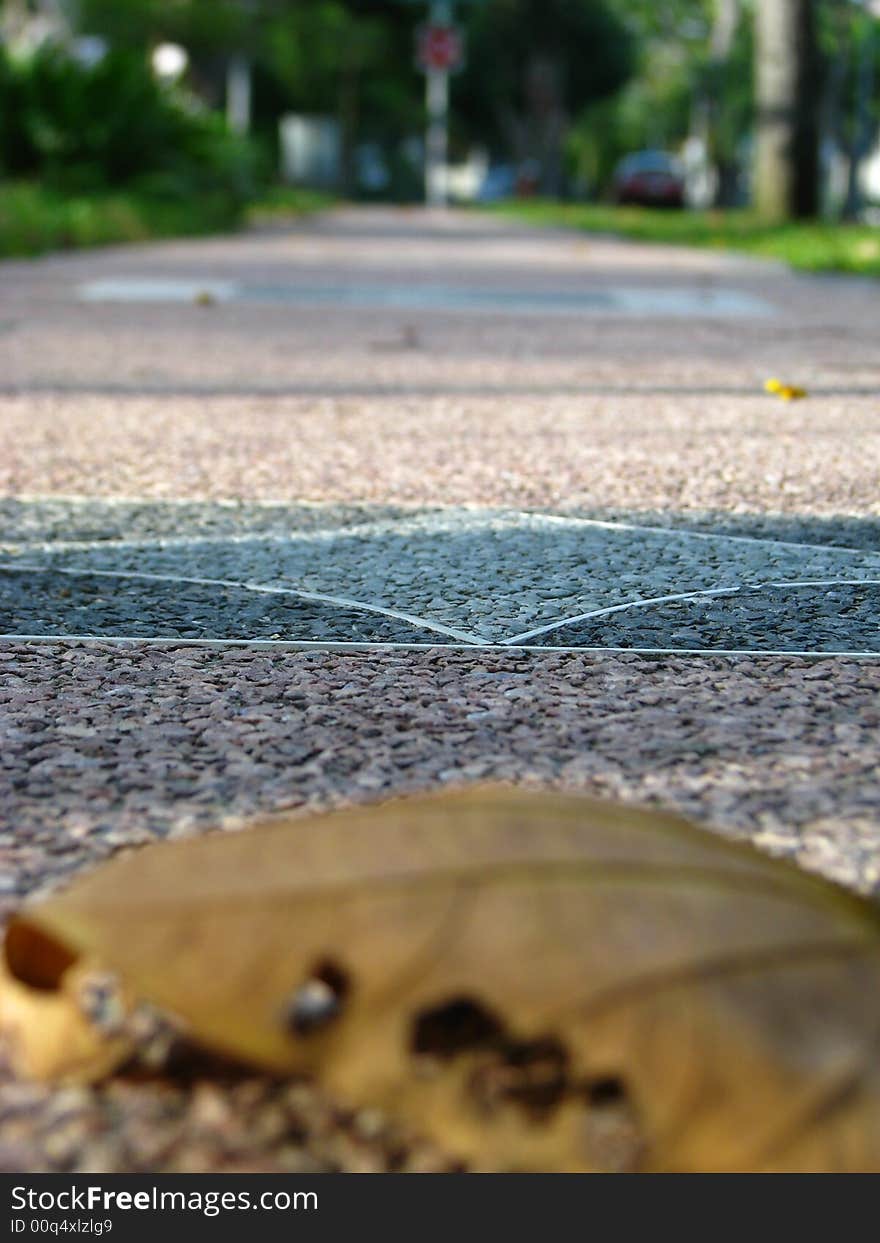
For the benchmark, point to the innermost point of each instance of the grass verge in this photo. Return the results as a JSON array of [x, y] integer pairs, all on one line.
[[812, 246], [34, 219]]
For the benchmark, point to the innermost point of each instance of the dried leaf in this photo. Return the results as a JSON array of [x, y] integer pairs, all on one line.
[[536, 981]]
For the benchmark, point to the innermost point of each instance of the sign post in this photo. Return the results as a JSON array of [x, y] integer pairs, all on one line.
[[439, 49]]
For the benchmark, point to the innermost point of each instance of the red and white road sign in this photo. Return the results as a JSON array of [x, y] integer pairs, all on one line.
[[439, 49]]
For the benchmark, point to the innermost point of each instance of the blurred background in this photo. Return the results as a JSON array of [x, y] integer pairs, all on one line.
[[123, 119]]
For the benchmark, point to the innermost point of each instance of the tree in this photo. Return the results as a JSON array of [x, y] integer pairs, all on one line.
[[352, 59], [851, 50], [348, 58], [721, 136], [533, 65], [786, 72]]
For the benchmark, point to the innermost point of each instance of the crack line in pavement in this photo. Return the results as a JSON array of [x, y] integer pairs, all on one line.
[[479, 517], [517, 639], [390, 524], [178, 541], [341, 601], [703, 535], [332, 645], [378, 527], [188, 541]]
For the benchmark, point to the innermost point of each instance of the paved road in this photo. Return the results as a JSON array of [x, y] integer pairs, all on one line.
[[453, 476], [396, 362], [439, 400]]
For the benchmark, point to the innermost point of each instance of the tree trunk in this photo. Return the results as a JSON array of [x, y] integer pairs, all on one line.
[[832, 129], [238, 94], [863, 125], [348, 109], [720, 144], [787, 157], [545, 121]]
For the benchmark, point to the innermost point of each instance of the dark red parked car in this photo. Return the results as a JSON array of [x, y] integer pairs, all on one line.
[[650, 179]]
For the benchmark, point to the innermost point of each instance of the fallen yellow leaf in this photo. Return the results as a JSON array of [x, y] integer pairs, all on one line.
[[535, 981]]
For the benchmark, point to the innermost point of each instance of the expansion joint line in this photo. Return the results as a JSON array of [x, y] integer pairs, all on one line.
[[450, 632], [518, 640]]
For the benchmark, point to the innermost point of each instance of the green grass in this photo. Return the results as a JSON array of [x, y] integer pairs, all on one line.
[[812, 246], [34, 219], [281, 202]]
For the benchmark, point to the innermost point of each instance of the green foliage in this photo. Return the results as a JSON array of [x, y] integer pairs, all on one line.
[[206, 25], [849, 44], [34, 219], [644, 115], [587, 49], [321, 49], [680, 86], [352, 59], [727, 90], [308, 50], [111, 125], [685, 22], [677, 84]]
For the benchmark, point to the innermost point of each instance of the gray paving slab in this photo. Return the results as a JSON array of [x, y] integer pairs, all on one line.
[[469, 575], [430, 296]]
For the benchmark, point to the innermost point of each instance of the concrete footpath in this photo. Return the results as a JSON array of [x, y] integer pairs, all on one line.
[[386, 500]]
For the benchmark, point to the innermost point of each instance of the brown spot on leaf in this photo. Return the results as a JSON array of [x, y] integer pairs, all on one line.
[[458, 1026], [606, 1091], [532, 1074]]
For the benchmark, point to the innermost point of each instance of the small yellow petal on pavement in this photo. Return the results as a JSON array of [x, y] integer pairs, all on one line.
[[788, 392]]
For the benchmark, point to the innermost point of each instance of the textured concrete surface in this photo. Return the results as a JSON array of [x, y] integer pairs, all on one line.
[[479, 576], [541, 394], [330, 402]]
